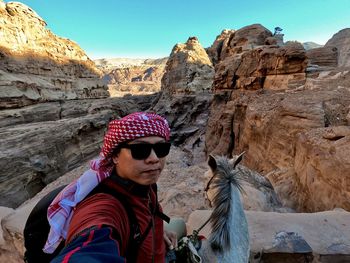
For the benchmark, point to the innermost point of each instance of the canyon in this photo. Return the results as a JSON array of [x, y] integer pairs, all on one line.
[[286, 107]]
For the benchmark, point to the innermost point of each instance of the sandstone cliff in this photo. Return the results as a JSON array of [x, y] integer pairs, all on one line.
[[341, 41], [293, 127], [322, 57], [132, 76], [186, 94], [144, 79], [53, 105], [38, 66], [188, 69], [40, 143]]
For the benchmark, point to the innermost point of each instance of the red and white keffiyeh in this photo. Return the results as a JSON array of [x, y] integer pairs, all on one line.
[[132, 126]]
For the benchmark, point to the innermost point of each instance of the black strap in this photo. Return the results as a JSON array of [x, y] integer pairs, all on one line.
[[158, 213]]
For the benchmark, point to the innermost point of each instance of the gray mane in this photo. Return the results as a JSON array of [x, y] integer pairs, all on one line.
[[225, 177]]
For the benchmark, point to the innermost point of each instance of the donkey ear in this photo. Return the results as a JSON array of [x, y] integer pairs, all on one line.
[[238, 159], [212, 163]]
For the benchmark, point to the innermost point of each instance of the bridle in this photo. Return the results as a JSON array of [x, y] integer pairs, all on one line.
[[207, 188], [209, 182]]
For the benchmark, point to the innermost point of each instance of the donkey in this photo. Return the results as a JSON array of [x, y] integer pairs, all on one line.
[[229, 239]]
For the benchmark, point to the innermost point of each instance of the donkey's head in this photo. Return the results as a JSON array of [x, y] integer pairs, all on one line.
[[222, 171], [229, 236]]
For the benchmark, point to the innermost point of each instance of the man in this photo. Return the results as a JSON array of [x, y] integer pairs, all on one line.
[[96, 226]]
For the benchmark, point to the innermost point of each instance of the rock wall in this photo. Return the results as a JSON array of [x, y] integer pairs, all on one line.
[[188, 69], [217, 49], [38, 66], [323, 57], [185, 97], [293, 128], [263, 67], [144, 79], [53, 105], [132, 76], [40, 143], [341, 41]]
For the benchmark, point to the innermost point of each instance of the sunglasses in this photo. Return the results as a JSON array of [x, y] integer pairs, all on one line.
[[140, 151]]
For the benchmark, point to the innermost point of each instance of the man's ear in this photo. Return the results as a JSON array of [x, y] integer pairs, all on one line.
[[115, 159], [212, 163]]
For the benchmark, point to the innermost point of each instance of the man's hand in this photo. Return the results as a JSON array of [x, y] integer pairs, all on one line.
[[170, 239]]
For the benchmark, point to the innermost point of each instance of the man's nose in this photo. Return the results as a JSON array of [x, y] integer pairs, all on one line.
[[152, 157]]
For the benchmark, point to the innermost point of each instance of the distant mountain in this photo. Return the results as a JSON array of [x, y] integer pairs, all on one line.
[[108, 64], [311, 45], [132, 75]]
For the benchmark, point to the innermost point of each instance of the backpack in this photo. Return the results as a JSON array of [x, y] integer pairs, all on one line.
[[37, 227]]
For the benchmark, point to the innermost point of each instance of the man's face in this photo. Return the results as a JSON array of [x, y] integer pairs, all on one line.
[[144, 172]]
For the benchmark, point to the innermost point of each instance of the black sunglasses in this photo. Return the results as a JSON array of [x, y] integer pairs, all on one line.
[[140, 151]]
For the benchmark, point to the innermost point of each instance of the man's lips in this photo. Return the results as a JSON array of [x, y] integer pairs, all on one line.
[[152, 170]]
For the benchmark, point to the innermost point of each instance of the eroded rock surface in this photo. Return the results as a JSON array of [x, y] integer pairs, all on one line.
[[326, 57], [38, 146], [188, 69], [341, 41], [263, 67], [132, 76], [280, 116], [37, 66]]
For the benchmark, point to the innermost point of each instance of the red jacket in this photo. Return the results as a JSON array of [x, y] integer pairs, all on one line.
[[100, 214]]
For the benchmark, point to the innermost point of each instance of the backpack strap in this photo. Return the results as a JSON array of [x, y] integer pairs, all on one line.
[[158, 213]]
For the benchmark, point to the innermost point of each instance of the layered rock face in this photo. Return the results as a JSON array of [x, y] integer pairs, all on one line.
[[38, 66], [54, 105], [294, 129], [247, 63], [341, 41], [40, 143], [325, 57], [132, 76], [186, 96], [188, 70], [219, 46], [143, 79]]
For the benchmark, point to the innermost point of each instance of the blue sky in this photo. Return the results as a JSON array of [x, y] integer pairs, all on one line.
[[142, 29]]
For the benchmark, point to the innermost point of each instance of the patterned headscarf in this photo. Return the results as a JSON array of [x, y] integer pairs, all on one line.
[[133, 126]]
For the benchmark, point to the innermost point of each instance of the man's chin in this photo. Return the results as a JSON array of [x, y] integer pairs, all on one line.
[[148, 181]]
